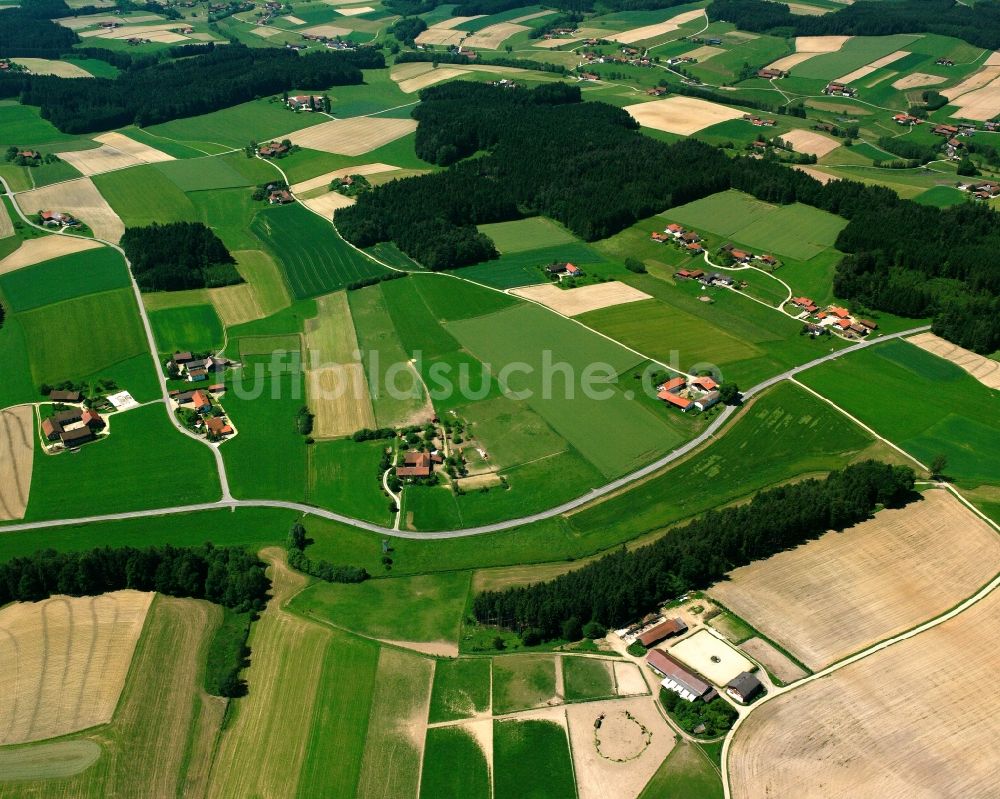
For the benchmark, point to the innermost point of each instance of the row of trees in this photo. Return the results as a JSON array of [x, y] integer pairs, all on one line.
[[222, 77], [228, 576], [324, 570], [178, 256], [626, 585]]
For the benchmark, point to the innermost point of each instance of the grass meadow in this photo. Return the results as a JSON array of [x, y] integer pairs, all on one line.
[[521, 682], [142, 195], [921, 403], [201, 174], [687, 773], [454, 766], [531, 760], [194, 327], [524, 268], [87, 272], [461, 689], [587, 678], [532, 233], [315, 260], [344, 476]]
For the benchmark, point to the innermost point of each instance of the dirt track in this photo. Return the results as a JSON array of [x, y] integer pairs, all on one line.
[[17, 454]]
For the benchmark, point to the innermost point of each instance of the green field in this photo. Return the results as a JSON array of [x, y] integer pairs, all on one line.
[[142, 195], [941, 197], [195, 328], [22, 125], [314, 258], [75, 338], [921, 403], [532, 233], [426, 608], [199, 174], [531, 761], [134, 468], [343, 476], [521, 682], [587, 678], [461, 689], [525, 268], [687, 773], [855, 53], [454, 766], [64, 278]]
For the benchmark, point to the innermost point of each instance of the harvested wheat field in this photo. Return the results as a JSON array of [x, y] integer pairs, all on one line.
[[650, 31], [6, 224], [868, 69], [355, 11], [820, 44], [326, 204], [82, 199], [34, 251], [621, 757], [264, 32], [65, 662], [353, 136], [807, 141], [705, 52], [17, 453], [493, 37], [552, 44], [324, 180], [75, 23], [822, 177], [573, 302], [807, 11], [916, 80], [236, 304], [122, 143], [982, 104], [985, 370], [61, 69], [772, 659], [442, 36], [683, 115], [904, 723], [977, 80], [790, 61], [429, 78], [293, 20], [101, 159], [326, 30], [884, 575]]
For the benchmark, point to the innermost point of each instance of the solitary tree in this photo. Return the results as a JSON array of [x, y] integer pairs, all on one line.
[[938, 465], [297, 537]]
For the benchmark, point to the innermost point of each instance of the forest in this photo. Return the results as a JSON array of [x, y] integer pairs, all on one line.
[[228, 576], [626, 585], [184, 87], [178, 256], [979, 26]]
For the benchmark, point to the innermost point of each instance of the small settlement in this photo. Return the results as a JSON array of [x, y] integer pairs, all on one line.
[[208, 416], [187, 367], [564, 269], [833, 319]]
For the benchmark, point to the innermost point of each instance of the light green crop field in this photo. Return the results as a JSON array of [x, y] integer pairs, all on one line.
[[229, 212], [314, 258], [199, 174], [261, 272], [142, 195], [134, 468], [615, 433], [449, 299], [941, 197], [195, 327], [418, 329], [259, 120], [921, 403], [521, 682], [454, 766], [71, 339], [344, 476], [531, 760], [587, 678], [687, 773], [527, 234], [425, 608], [855, 53], [87, 272], [461, 689]]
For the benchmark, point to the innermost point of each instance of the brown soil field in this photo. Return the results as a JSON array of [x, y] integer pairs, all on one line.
[[916, 80], [441, 649], [134, 148], [807, 11], [6, 225], [353, 136], [98, 160], [773, 660], [976, 80], [34, 251], [61, 69], [321, 181], [985, 370], [429, 78], [573, 302], [65, 662], [82, 199], [806, 141], [17, 454], [865, 71], [904, 723], [599, 777], [650, 31], [683, 115], [844, 591], [493, 37]]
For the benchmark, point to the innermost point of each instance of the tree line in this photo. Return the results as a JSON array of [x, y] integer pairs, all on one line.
[[323, 569], [219, 78], [178, 256], [979, 26], [625, 585], [228, 576]]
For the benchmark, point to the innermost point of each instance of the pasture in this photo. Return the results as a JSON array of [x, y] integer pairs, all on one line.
[[908, 396], [522, 682], [454, 765], [68, 659], [194, 328], [587, 678], [461, 689], [888, 574], [882, 731], [532, 233], [201, 174], [343, 476], [314, 259], [63, 278], [532, 761], [143, 195], [524, 268], [227, 128], [17, 452]]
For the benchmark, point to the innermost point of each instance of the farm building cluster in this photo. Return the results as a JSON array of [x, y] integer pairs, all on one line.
[[699, 393], [759, 122], [419, 463], [204, 415], [832, 318], [273, 149], [563, 269], [185, 366], [835, 89], [629, 55], [308, 102], [59, 219], [687, 239], [73, 426], [981, 190]]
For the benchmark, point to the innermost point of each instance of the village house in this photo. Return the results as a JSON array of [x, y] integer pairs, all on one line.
[[945, 130], [280, 197], [805, 304], [662, 631], [588, 76], [982, 191], [57, 219], [564, 270], [694, 248], [759, 122], [945, 62], [689, 274], [306, 102], [656, 91], [418, 464], [674, 230], [707, 400], [768, 260], [218, 426], [704, 383], [31, 155], [660, 237], [690, 237], [744, 687], [678, 679]]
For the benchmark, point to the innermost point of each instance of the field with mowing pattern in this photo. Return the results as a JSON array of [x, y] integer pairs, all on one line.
[[344, 476], [587, 678], [17, 452], [143, 195], [687, 773], [461, 689], [454, 765]]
